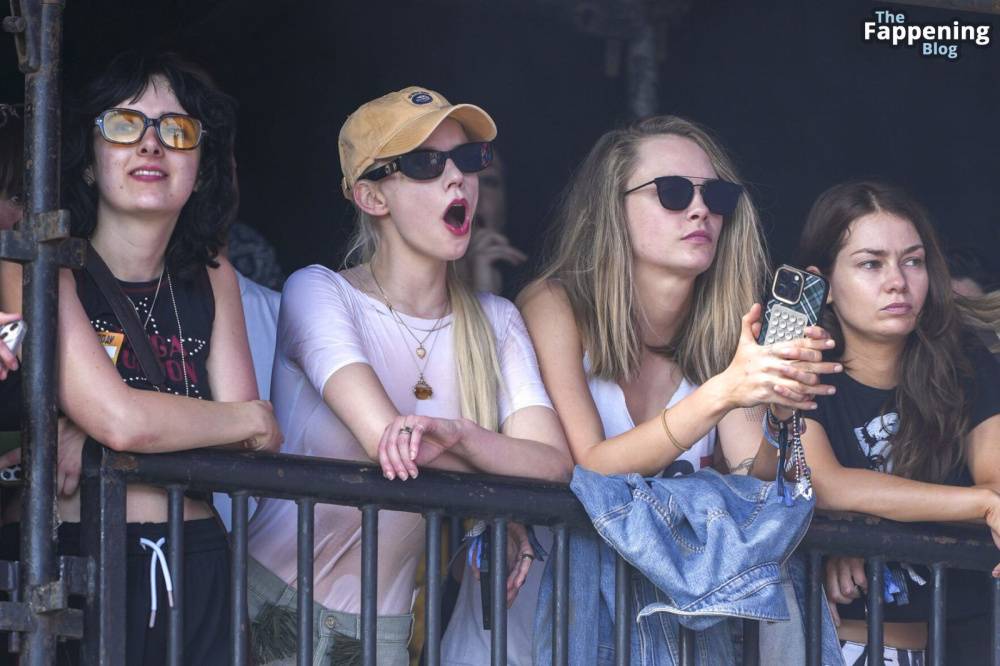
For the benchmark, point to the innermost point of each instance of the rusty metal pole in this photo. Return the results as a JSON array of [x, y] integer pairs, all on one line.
[[41, 585]]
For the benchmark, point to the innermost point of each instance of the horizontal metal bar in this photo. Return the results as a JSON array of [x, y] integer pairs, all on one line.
[[952, 545], [15, 616], [354, 484], [524, 500]]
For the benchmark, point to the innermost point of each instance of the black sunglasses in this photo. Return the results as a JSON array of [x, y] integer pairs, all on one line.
[[429, 164], [677, 192], [176, 131]]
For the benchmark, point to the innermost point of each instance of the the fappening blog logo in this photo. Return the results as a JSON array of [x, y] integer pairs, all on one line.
[[942, 40]]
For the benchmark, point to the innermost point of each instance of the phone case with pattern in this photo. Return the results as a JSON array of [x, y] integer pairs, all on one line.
[[787, 321]]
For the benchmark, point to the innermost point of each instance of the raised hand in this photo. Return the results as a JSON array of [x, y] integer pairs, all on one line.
[[785, 373]]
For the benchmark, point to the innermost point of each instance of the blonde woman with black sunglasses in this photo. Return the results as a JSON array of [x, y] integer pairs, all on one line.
[[394, 360]]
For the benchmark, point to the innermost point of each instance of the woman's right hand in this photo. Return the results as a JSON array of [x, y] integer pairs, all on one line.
[[845, 582], [411, 441], [783, 373]]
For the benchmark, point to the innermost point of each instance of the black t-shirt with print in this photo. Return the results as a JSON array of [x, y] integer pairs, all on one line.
[[195, 303], [859, 421]]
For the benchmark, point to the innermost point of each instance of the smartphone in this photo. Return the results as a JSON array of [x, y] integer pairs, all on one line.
[[796, 301], [12, 334]]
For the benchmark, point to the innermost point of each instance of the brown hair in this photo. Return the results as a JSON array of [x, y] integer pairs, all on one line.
[[592, 260], [933, 407]]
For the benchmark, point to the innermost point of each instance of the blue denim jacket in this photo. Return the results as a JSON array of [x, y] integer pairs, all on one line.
[[706, 547]]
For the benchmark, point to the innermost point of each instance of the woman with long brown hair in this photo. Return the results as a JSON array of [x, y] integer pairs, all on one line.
[[913, 432]]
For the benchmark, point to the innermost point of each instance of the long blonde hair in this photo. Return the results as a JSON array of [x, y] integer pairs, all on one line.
[[592, 259], [475, 349]]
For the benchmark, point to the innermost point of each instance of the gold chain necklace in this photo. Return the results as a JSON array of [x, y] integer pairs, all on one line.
[[421, 390]]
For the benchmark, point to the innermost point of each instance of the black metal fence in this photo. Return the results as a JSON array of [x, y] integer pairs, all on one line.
[[436, 495], [38, 612]]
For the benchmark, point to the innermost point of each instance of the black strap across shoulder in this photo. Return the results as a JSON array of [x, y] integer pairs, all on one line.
[[127, 316]]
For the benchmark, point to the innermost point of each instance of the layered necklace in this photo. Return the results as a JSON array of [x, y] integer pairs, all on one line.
[[177, 319], [421, 390]]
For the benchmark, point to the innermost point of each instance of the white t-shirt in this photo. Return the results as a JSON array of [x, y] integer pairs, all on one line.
[[465, 643], [326, 324], [260, 311]]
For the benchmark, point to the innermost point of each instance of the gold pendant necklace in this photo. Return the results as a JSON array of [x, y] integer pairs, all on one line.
[[421, 390]]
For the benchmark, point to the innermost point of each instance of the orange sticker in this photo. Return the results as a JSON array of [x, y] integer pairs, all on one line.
[[112, 343]]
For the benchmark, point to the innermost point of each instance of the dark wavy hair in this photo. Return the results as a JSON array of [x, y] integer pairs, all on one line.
[[933, 407], [205, 219]]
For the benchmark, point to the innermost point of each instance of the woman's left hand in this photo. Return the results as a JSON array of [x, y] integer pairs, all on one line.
[[520, 557], [409, 442]]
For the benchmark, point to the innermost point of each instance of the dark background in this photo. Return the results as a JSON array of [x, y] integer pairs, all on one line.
[[801, 101]]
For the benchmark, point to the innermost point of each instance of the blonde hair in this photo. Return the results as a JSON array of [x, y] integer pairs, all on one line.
[[592, 259], [981, 313], [475, 349]]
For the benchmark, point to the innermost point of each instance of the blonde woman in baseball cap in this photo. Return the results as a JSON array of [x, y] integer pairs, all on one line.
[[394, 360]]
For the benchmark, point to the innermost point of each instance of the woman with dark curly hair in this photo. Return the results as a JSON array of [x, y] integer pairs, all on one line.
[[150, 182]]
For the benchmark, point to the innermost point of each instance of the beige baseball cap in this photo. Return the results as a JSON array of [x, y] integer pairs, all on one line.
[[398, 123]]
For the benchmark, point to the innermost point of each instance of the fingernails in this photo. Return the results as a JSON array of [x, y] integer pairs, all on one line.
[[831, 390], [811, 405], [390, 476], [838, 368], [829, 343]]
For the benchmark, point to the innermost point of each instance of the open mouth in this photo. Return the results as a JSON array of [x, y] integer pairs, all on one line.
[[455, 215], [456, 218]]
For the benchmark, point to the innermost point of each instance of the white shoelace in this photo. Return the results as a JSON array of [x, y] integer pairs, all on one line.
[[157, 557]]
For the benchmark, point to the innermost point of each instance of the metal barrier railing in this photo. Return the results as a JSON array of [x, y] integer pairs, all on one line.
[[309, 481]]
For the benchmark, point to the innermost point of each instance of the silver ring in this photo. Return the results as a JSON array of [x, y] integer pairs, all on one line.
[[407, 429], [527, 556]]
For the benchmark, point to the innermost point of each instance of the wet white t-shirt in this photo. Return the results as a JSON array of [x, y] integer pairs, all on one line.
[[326, 324]]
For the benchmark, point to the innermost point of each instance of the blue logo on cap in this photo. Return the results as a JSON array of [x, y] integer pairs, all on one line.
[[421, 98]]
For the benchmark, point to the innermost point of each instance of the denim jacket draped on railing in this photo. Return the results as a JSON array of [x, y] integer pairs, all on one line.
[[706, 547]]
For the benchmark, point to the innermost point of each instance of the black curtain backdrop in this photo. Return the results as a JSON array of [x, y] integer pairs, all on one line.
[[798, 97]]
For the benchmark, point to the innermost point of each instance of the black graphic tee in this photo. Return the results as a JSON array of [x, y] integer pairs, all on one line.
[[860, 421], [196, 311]]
